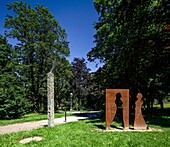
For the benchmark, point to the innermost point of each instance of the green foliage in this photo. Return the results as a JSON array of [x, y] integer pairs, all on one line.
[[132, 40], [80, 82], [41, 40], [96, 95], [62, 83], [13, 102]]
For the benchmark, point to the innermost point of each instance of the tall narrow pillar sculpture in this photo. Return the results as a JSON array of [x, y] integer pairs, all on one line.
[[50, 95]]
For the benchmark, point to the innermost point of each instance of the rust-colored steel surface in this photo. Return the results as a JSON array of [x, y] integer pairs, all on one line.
[[125, 106], [111, 107], [139, 123]]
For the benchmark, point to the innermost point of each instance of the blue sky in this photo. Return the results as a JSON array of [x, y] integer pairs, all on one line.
[[75, 16]]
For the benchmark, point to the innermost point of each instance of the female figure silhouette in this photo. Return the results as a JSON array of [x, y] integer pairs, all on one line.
[[139, 123]]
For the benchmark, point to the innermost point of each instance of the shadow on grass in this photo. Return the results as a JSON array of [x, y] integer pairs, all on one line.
[[155, 117], [90, 115], [158, 117], [102, 127]]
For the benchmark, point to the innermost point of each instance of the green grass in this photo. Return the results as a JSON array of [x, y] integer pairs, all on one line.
[[84, 134], [35, 117], [31, 117], [166, 105]]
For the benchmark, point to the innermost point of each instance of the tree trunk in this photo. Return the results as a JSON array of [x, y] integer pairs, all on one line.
[[161, 103]]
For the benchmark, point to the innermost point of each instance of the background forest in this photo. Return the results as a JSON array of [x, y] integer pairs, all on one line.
[[132, 41]]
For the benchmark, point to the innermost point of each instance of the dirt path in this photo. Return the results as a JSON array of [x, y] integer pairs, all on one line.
[[36, 124]]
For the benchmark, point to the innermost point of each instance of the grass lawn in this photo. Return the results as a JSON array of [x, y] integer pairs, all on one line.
[[166, 105], [32, 117], [35, 117], [84, 134]]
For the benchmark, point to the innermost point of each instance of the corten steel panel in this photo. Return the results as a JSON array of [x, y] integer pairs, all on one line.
[[111, 107], [125, 100], [139, 123]]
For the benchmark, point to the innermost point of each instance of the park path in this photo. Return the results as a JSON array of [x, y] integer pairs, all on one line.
[[37, 124]]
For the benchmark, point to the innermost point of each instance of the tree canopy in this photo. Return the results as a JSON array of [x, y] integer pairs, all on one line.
[[80, 87], [13, 102], [132, 40], [41, 40]]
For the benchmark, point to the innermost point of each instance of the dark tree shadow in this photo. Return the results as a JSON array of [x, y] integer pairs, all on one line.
[[155, 117], [158, 117], [102, 127], [90, 115]]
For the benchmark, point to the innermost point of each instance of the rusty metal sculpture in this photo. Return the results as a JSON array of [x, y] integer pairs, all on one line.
[[139, 123], [111, 107]]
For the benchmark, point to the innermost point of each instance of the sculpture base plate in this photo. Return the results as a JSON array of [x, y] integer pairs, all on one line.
[[121, 129]]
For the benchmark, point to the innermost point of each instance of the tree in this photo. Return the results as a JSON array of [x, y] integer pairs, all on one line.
[[41, 40], [131, 40], [63, 79], [13, 102], [80, 82], [95, 97]]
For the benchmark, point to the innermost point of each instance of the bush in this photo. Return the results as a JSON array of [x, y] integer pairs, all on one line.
[[13, 103]]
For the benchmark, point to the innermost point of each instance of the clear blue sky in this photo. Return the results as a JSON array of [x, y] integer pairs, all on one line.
[[75, 16]]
